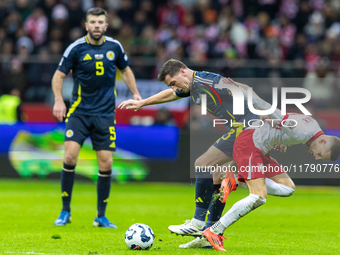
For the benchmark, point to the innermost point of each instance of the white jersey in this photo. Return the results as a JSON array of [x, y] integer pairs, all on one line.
[[306, 129]]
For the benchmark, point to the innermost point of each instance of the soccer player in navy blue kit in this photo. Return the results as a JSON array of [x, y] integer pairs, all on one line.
[[92, 60], [185, 82]]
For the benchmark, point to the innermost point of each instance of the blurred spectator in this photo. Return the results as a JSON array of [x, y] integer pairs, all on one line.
[[75, 13], [113, 4], [55, 48], [10, 107], [287, 32], [14, 77], [171, 13], [149, 9], [252, 25], [223, 48], [23, 8], [289, 8], [4, 10], [47, 6], [320, 84], [140, 21], [311, 56], [145, 44], [198, 48], [238, 36], [25, 42], [163, 117], [172, 44], [127, 38], [39, 78], [24, 48], [115, 23], [7, 47], [12, 23], [126, 12], [269, 46], [74, 34], [211, 27], [297, 51], [302, 16], [36, 26], [187, 30], [271, 7], [315, 27]]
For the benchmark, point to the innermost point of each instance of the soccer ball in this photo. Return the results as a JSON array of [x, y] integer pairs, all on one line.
[[139, 237]]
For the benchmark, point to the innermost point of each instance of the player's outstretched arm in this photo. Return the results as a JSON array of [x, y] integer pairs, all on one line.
[[59, 108], [164, 96], [130, 81]]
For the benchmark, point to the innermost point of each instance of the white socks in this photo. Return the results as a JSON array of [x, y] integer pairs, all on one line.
[[277, 189], [197, 223], [273, 188], [238, 210]]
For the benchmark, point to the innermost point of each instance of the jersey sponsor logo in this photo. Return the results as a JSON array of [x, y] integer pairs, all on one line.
[[69, 133], [125, 57], [61, 61], [110, 55], [99, 56], [87, 57]]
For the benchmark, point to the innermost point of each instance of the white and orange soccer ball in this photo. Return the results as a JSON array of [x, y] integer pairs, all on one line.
[[139, 237]]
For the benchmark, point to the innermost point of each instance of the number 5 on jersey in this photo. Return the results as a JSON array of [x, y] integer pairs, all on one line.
[[99, 68], [113, 137]]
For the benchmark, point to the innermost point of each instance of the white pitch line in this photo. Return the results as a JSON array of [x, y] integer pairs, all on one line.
[[37, 253]]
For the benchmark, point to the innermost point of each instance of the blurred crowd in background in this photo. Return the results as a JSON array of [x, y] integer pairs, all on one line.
[[237, 38]]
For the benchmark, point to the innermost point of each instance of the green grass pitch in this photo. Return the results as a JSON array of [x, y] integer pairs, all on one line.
[[306, 223]]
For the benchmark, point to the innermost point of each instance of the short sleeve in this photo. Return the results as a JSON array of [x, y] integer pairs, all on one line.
[[182, 94], [68, 60], [122, 59]]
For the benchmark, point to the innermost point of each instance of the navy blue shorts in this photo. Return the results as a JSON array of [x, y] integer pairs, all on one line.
[[226, 142], [102, 131]]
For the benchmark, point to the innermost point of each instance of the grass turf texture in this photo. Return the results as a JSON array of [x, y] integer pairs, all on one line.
[[306, 223]]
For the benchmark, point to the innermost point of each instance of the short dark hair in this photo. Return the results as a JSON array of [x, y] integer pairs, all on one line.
[[96, 11], [171, 67], [335, 149]]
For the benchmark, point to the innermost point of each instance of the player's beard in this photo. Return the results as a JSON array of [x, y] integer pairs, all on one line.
[[96, 37]]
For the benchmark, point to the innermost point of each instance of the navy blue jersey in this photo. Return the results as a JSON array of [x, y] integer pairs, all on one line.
[[219, 101], [93, 69]]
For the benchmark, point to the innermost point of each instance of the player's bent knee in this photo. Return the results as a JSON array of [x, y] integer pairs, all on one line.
[[70, 159]]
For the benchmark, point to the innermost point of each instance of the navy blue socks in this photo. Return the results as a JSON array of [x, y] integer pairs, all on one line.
[[203, 192], [67, 180], [216, 207], [103, 191]]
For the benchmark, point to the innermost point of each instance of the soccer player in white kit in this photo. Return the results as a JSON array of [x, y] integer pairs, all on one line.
[[256, 166]]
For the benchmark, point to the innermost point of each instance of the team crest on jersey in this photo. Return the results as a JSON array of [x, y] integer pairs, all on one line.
[[69, 133], [110, 55], [99, 56]]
